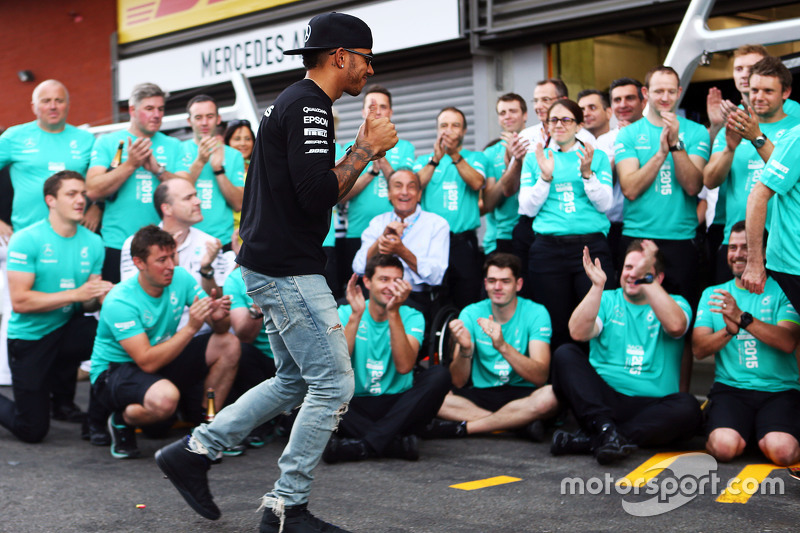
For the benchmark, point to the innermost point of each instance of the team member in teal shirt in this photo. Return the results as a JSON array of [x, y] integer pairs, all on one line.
[[369, 196], [568, 191], [626, 392], [742, 149], [54, 276], [756, 392], [216, 170], [660, 160], [780, 181], [451, 178], [141, 362], [502, 345], [36, 150], [504, 159], [390, 401], [148, 157]]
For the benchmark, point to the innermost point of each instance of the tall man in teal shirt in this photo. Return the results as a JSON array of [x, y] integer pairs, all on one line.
[[54, 276], [741, 150], [369, 197], [756, 392], [451, 178], [217, 170], [390, 401], [148, 157], [660, 160], [626, 392]]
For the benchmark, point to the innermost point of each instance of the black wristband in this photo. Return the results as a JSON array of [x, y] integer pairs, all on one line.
[[219, 172], [433, 163]]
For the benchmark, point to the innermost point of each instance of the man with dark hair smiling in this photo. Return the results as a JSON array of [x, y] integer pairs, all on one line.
[[293, 182], [54, 276]]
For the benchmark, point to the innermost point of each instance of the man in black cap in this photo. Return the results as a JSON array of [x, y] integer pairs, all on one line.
[[292, 186]]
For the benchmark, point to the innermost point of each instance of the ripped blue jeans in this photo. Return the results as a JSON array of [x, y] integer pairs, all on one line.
[[312, 367]]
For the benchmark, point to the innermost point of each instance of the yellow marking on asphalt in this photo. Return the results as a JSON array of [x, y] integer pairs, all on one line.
[[642, 474], [746, 483], [483, 483]]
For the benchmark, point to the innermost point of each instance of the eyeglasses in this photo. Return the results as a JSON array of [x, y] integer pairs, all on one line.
[[564, 120], [367, 57]]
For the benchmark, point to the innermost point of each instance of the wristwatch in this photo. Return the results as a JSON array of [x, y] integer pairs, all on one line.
[[759, 141], [677, 147], [745, 320], [592, 175], [219, 172], [374, 170], [160, 170], [646, 280], [433, 163], [207, 275]]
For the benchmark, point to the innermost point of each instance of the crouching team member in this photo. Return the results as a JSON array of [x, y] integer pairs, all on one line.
[[623, 399], [503, 345], [54, 270], [141, 361], [384, 337], [756, 393]]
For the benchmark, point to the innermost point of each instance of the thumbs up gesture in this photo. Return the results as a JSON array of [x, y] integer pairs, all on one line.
[[376, 135]]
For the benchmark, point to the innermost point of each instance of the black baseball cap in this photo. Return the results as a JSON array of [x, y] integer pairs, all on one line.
[[335, 30]]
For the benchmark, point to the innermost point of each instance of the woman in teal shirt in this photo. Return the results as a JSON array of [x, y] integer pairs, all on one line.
[[567, 191]]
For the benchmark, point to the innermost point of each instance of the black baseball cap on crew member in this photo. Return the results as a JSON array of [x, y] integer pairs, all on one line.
[[335, 30]]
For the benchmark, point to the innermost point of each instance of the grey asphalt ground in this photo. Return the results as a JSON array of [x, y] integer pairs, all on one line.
[[66, 485]]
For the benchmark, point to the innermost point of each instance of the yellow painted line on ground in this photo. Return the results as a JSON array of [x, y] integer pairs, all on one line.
[[746, 483], [642, 474], [483, 483]]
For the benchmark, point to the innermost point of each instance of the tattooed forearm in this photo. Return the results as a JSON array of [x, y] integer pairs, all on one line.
[[350, 168]]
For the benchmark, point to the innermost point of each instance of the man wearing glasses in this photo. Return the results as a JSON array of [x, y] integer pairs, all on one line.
[[545, 95], [293, 183]]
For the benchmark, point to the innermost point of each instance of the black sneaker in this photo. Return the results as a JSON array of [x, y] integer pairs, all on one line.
[[96, 435], [611, 445], [533, 431], [123, 439], [570, 443], [188, 471], [406, 447], [339, 449], [68, 412], [443, 429], [297, 519]]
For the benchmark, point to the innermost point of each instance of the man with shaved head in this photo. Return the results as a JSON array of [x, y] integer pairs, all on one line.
[[34, 151]]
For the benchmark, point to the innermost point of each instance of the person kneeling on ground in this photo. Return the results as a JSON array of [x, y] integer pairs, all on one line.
[[141, 361]]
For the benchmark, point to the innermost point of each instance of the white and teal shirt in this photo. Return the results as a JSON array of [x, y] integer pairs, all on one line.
[[501, 220], [58, 264], [569, 204], [633, 353], [746, 362], [375, 373], [531, 322], [663, 210], [131, 207], [781, 174], [746, 169], [128, 311], [448, 195], [374, 199], [34, 155], [217, 213]]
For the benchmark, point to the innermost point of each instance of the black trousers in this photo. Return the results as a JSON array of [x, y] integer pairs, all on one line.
[[681, 261], [111, 265], [379, 419], [522, 238], [645, 421], [789, 284], [464, 270], [559, 281], [37, 368]]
